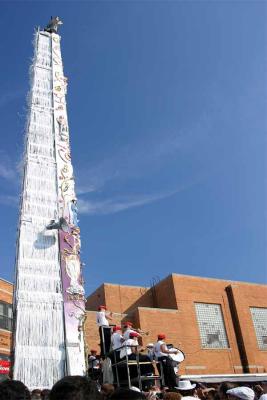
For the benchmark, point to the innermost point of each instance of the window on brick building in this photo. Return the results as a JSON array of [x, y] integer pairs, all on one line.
[[259, 318], [5, 316], [211, 326]]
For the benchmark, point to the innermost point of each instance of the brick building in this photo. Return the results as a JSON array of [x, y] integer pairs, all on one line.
[[220, 325], [6, 292]]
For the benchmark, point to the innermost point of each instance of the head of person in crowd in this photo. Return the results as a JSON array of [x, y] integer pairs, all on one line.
[[186, 388], [93, 352], [127, 394], [241, 392], [36, 394], [14, 390], [209, 393], [223, 387], [102, 308], [45, 394], [106, 390], [75, 388], [116, 329], [172, 396], [264, 386], [161, 336], [127, 325]]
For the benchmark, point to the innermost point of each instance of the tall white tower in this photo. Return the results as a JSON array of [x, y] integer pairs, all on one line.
[[49, 296]]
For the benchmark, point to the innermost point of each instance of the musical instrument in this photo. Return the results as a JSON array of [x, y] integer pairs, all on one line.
[[178, 357]]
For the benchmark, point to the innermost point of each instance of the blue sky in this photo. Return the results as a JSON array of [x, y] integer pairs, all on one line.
[[167, 111]]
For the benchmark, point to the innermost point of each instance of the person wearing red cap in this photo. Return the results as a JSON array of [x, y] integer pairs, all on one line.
[[130, 348], [116, 340], [128, 328], [162, 355], [102, 319], [93, 365]]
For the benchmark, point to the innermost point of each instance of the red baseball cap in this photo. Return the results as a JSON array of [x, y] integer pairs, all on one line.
[[116, 328], [100, 307], [127, 323], [161, 336], [134, 334]]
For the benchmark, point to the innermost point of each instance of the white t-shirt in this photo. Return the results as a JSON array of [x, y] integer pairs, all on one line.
[[116, 342], [126, 334], [157, 350], [127, 350], [101, 319], [93, 362], [150, 353]]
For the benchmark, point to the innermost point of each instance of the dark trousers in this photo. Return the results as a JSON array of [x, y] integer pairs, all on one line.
[[105, 339], [170, 377]]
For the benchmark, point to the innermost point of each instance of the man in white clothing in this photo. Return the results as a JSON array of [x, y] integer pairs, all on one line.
[[116, 341], [162, 354], [102, 320], [128, 328], [94, 365]]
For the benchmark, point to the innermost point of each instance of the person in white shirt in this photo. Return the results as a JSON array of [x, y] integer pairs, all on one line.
[[102, 320], [116, 341], [162, 355], [130, 346], [150, 351], [128, 328], [94, 365]]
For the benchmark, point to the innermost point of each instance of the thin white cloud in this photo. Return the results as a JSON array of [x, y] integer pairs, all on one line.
[[117, 204], [143, 158], [8, 170], [112, 206], [7, 97], [9, 200]]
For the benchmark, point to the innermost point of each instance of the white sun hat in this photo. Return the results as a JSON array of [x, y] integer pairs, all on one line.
[[242, 392], [185, 385], [135, 389], [150, 345]]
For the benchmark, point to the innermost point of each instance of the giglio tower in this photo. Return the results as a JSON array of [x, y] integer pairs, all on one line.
[[49, 307]]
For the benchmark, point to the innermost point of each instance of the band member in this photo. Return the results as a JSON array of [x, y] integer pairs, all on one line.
[[93, 365], [127, 329], [150, 351], [131, 347], [117, 341], [161, 353], [102, 320]]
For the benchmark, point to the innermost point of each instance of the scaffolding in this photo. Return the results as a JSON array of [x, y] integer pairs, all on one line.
[[139, 379], [120, 366]]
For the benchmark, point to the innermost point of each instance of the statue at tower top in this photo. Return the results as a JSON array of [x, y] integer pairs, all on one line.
[[52, 26]]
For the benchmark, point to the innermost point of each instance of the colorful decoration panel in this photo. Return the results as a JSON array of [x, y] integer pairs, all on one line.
[[69, 234]]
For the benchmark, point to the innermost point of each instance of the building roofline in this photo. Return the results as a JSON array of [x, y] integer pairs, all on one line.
[[216, 279], [185, 276], [179, 275], [4, 280], [118, 284]]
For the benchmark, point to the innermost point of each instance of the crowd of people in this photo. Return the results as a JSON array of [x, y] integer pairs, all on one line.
[[103, 382], [84, 388]]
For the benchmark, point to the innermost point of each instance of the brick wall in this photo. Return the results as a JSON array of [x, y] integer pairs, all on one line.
[[6, 295], [169, 307]]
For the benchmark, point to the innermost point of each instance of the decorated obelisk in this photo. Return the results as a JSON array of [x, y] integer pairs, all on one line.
[[49, 307]]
